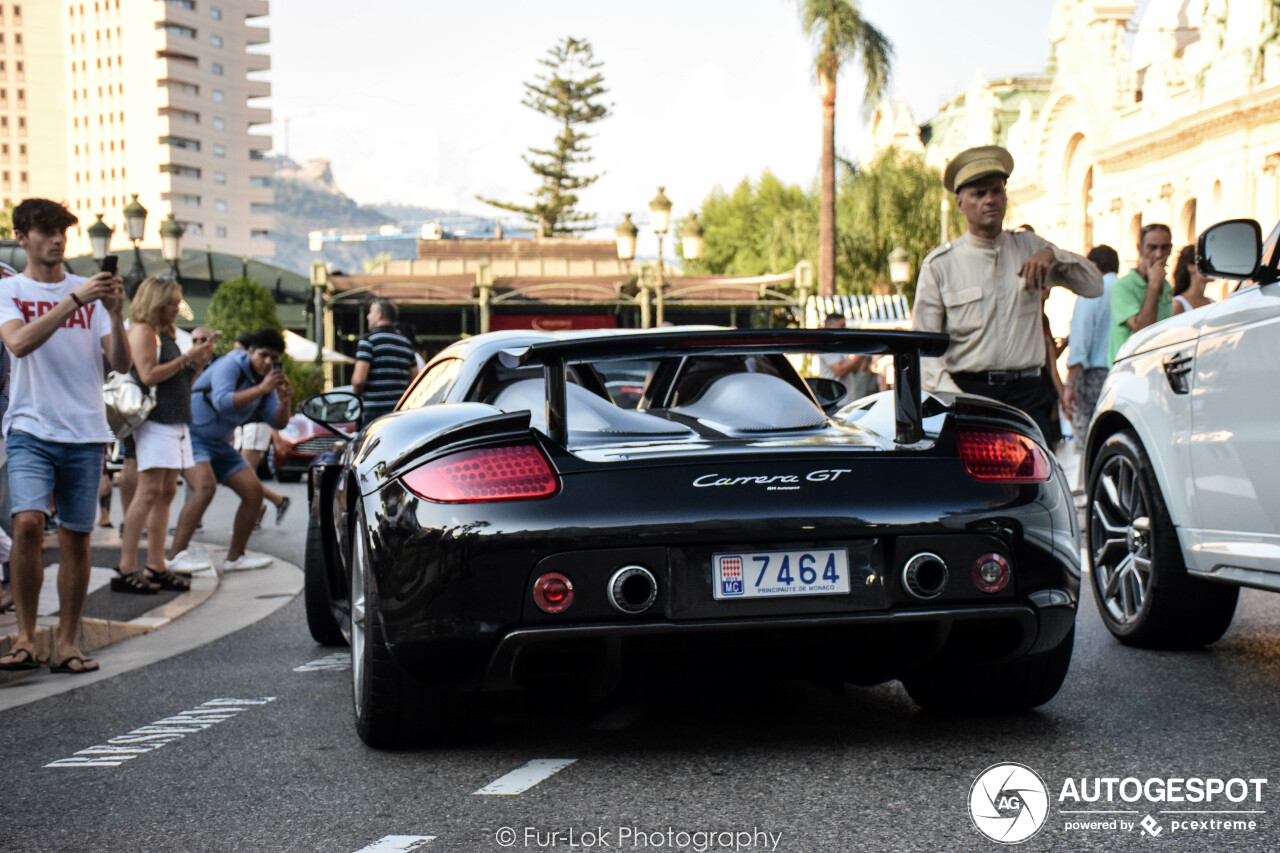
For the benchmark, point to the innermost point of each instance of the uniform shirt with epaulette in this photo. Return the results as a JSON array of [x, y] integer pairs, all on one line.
[[970, 288]]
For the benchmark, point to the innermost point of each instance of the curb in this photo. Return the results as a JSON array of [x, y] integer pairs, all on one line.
[[97, 633]]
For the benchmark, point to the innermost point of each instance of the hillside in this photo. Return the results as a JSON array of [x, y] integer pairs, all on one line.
[[307, 198]]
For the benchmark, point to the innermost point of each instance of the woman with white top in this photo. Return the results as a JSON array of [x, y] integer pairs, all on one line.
[[1188, 283], [163, 440]]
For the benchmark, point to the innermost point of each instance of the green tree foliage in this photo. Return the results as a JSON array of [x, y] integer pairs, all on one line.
[[759, 228], [767, 226], [839, 34], [6, 222], [569, 96], [895, 201], [243, 305]]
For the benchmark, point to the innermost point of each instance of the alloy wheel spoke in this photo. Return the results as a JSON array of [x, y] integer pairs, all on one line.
[[1116, 579]]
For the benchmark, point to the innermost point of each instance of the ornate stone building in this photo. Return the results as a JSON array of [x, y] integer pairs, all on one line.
[[1184, 129]]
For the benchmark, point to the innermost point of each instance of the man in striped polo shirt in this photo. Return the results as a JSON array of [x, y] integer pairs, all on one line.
[[384, 362]]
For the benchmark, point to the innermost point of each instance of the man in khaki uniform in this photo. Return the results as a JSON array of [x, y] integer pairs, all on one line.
[[984, 289]]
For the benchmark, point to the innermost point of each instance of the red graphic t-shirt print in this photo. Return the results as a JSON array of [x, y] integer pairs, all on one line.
[[81, 318]]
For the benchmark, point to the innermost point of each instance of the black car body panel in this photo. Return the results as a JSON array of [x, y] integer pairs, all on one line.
[[453, 582]]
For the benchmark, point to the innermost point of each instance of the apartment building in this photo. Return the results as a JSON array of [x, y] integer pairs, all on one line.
[[102, 99]]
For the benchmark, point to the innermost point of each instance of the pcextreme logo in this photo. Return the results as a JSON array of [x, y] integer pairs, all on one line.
[[1008, 803]]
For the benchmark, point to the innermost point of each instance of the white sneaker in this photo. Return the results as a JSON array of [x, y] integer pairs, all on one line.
[[189, 562], [245, 562]]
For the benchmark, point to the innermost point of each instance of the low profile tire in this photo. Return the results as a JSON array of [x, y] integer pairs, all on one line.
[[1140, 582], [321, 620], [957, 687], [392, 710]]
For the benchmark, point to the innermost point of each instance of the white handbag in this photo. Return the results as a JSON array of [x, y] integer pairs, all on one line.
[[128, 403]]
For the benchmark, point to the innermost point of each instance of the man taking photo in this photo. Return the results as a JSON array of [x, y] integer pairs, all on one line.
[[234, 389]]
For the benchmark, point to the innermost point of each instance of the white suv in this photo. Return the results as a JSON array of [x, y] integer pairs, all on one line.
[[1183, 456]]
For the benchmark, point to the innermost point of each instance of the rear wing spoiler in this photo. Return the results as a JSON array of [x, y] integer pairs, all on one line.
[[906, 348]]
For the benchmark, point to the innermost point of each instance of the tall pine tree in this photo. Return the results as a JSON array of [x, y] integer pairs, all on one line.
[[569, 96]]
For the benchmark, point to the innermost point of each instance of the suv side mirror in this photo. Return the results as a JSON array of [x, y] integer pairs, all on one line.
[[1231, 249]]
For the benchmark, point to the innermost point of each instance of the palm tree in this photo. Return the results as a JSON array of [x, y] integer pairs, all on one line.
[[840, 33]]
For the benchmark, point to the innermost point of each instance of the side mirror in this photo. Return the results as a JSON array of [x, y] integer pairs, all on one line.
[[334, 407], [830, 393], [1231, 249]]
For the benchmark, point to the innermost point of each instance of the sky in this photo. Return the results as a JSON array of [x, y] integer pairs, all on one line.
[[418, 101]]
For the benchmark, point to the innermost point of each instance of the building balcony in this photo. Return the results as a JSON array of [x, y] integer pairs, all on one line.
[[259, 89], [257, 62], [256, 8], [259, 115], [257, 35]]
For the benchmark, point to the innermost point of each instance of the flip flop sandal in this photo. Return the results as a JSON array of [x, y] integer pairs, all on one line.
[[169, 581], [20, 659], [132, 582], [86, 665]]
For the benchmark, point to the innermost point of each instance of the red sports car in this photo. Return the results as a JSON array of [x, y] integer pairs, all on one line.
[[302, 439]]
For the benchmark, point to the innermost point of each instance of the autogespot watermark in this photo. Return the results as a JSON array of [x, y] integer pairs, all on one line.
[[637, 838], [1010, 803]]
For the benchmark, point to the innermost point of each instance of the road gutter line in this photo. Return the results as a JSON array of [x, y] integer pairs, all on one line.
[[127, 747]]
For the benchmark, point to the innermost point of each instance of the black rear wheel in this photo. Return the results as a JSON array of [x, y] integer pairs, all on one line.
[[1140, 582], [393, 710], [317, 596], [955, 686]]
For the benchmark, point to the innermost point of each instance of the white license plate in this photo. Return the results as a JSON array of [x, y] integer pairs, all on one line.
[[770, 574]]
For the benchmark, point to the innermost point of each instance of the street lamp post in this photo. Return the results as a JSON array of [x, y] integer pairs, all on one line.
[[660, 219], [100, 239], [135, 222], [626, 235], [691, 239], [899, 268], [171, 232]]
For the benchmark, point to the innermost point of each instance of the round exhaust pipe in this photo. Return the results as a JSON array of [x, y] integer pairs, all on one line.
[[924, 576], [632, 589]]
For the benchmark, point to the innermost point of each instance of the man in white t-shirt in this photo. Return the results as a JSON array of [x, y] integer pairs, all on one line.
[[57, 326]]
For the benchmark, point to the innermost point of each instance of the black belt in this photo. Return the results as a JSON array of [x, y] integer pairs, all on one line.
[[1000, 377]]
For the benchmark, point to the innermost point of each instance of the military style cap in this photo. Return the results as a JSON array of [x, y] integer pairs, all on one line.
[[974, 163]]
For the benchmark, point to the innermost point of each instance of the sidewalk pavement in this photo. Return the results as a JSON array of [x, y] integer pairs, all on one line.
[[109, 617]]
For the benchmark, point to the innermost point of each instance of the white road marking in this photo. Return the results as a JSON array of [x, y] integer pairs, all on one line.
[[127, 747], [520, 780], [334, 662], [397, 844]]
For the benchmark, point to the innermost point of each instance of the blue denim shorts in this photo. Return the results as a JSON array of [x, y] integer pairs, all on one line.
[[221, 456], [69, 472]]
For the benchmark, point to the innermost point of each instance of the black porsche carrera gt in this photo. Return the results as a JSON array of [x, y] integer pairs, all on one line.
[[510, 525]]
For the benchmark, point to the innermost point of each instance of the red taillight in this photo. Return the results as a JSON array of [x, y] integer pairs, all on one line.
[[512, 473], [1005, 456], [553, 593]]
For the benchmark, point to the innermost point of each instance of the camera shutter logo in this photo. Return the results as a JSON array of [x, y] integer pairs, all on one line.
[[1008, 803]]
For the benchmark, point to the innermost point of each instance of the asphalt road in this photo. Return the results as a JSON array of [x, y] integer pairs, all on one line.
[[246, 743]]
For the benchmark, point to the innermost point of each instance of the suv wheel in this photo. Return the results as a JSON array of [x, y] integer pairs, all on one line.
[[1140, 582]]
